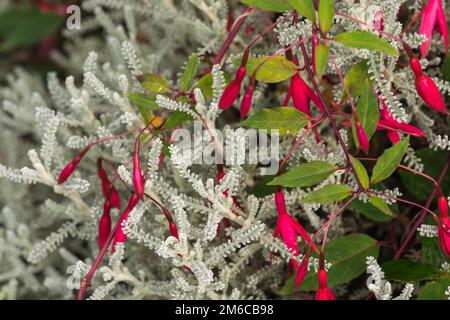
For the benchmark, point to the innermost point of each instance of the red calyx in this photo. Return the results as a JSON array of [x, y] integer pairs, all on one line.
[[429, 92], [104, 226], [70, 168], [120, 236], [231, 92], [246, 102], [323, 293], [362, 137], [138, 179], [443, 206]]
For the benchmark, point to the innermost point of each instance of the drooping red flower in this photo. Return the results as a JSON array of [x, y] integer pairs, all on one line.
[[302, 94], [231, 92], [362, 137], [70, 168], [138, 178], [104, 225], [120, 236], [433, 17], [392, 126], [443, 206], [288, 228], [323, 293], [444, 235], [246, 102], [301, 271], [109, 191]]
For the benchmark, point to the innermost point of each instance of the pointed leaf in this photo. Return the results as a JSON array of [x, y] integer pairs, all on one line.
[[369, 211], [368, 113], [365, 40], [347, 254], [356, 78], [305, 175], [154, 83], [275, 70], [305, 8], [378, 203], [321, 62], [269, 5], [326, 15], [287, 120], [387, 163], [329, 193], [361, 172], [145, 104], [408, 271], [187, 79]]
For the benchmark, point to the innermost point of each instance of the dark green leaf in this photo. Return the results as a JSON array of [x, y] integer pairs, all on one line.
[[25, 26], [189, 73], [365, 40], [176, 119], [446, 69], [326, 15], [408, 271], [305, 8], [369, 211], [387, 163], [431, 252], [347, 254], [329, 193], [368, 114], [287, 120], [434, 290], [305, 175], [269, 5], [356, 78], [261, 189]]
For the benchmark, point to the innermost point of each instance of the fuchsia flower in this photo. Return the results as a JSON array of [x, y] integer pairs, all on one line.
[[70, 168], [302, 95], [425, 86], [120, 236], [301, 271], [231, 92], [433, 16], [247, 101], [362, 137], [323, 293], [104, 226], [138, 179], [392, 126], [444, 226], [288, 227]]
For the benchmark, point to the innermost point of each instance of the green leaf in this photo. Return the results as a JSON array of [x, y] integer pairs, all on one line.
[[187, 79], [287, 120], [434, 290], [369, 211], [305, 8], [329, 193], [321, 61], [361, 172], [176, 119], [446, 69], [25, 25], [275, 70], [145, 104], [387, 163], [356, 78], [154, 83], [378, 203], [365, 40], [326, 15], [347, 254], [261, 189], [431, 252], [269, 5], [368, 113], [305, 175], [404, 270]]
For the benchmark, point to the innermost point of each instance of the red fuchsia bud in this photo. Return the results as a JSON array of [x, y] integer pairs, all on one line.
[[429, 92], [323, 293], [362, 138], [301, 271], [299, 94], [443, 206], [70, 168], [108, 187], [173, 229], [120, 236], [246, 102], [138, 179], [104, 226], [444, 235], [231, 92], [415, 66]]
